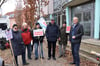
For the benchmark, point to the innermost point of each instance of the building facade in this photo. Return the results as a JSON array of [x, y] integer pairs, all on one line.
[[11, 18], [59, 12], [86, 10]]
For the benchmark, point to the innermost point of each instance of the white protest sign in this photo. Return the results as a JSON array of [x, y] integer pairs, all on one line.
[[9, 34], [42, 22], [38, 32]]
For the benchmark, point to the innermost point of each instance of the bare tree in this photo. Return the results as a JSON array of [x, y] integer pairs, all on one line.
[[2, 2], [28, 13], [18, 13], [31, 7]]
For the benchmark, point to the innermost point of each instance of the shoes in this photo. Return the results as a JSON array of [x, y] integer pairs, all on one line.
[[30, 58], [60, 56], [42, 57], [54, 58], [49, 58], [16, 65], [26, 64], [36, 58], [72, 63], [64, 55]]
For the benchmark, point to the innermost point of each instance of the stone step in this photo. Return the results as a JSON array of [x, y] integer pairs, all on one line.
[[86, 56], [89, 56], [86, 48]]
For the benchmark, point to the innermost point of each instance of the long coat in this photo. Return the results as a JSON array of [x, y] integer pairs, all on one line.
[[17, 43], [52, 32], [78, 32], [63, 36]]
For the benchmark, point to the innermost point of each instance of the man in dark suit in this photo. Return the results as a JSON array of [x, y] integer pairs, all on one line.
[[75, 37]]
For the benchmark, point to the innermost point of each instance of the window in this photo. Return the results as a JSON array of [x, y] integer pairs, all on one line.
[[87, 16]]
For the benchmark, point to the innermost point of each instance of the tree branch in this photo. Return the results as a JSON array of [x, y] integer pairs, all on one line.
[[2, 2]]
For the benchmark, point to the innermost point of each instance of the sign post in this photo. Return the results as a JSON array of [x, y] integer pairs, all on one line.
[[9, 36]]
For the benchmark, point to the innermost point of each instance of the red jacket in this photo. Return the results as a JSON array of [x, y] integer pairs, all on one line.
[[26, 35]]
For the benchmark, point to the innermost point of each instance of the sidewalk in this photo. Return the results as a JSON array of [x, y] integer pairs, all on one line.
[[45, 62], [59, 62]]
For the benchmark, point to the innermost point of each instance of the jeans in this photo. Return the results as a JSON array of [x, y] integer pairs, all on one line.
[[29, 50], [32, 48], [36, 50], [41, 53], [40, 49], [51, 47], [23, 59], [62, 49], [75, 53]]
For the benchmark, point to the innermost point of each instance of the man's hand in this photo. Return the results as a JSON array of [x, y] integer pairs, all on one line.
[[73, 37], [69, 42], [59, 38]]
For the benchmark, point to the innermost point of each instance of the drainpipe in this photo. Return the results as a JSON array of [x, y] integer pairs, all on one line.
[[97, 19]]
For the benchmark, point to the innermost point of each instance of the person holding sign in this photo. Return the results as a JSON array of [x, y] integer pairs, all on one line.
[[52, 34], [63, 40], [27, 37], [38, 36], [18, 46]]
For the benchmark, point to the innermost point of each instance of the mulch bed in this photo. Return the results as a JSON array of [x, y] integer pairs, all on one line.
[[83, 61], [6, 55]]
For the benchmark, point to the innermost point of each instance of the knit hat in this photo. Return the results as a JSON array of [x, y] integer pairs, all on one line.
[[37, 24]]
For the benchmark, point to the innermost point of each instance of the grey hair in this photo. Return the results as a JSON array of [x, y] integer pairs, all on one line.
[[75, 17], [24, 24]]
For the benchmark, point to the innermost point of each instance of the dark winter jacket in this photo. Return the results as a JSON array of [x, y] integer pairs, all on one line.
[[17, 43], [78, 32], [52, 32], [38, 39], [63, 36]]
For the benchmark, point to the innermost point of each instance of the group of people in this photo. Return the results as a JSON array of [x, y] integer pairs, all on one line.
[[22, 40]]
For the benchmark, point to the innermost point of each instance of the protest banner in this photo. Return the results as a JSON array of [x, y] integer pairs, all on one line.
[[68, 29], [9, 34], [42, 23], [38, 32]]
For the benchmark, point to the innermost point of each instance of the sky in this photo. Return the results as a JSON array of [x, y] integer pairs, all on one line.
[[8, 6]]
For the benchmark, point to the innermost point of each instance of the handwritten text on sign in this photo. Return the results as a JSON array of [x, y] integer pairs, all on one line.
[[9, 34], [68, 29], [38, 32]]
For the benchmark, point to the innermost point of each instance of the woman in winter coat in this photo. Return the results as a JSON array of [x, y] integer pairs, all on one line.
[[38, 40], [18, 45]]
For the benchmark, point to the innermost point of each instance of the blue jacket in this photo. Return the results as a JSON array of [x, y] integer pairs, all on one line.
[[52, 32]]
